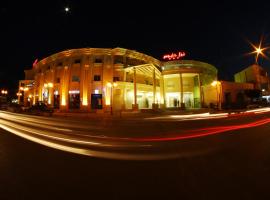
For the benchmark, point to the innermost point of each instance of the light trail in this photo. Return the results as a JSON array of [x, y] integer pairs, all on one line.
[[205, 116], [51, 132], [189, 117], [196, 133]]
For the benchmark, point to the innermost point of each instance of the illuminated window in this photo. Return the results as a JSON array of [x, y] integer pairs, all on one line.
[[97, 78], [77, 61], [75, 79], [118, 60], [116, 78], [60, 64], [98, 60]]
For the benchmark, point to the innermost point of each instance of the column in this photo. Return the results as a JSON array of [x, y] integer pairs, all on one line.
[[123, 106], [41, 85], [65, 87], [162, 92], [83, 84], [181, 92], [34, 96], [90, 60], [154, 106], [135, 105], [200, 89], [53, 78]]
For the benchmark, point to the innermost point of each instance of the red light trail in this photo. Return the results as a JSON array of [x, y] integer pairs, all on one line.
[[202, 132]]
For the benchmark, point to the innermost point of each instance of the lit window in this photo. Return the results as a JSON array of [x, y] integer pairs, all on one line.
[[77, 61], [98, 60], [75, 79], [97, 78], [116, 78]]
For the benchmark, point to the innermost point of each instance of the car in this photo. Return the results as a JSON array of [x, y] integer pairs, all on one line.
[[40, 108]]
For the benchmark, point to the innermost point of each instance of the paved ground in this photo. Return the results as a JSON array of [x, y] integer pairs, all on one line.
[[239, 170]]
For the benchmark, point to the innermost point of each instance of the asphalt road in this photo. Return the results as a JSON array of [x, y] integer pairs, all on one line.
[[237, 168]]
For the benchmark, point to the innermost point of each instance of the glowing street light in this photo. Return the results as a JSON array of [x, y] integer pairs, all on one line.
[[258, 50], [111, 85], [4, 92]]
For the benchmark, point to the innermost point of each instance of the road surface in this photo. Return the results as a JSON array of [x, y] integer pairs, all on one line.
[[132, 138], [237, 168]]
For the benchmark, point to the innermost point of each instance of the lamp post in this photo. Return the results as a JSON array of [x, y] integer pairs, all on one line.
[[217, 84], [111, 85]]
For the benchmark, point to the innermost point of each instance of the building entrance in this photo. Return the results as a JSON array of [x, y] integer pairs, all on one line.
[[74, 101], [96, 101]]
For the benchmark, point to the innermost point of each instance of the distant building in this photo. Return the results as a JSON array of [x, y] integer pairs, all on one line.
[[256, 75], [252, 81]]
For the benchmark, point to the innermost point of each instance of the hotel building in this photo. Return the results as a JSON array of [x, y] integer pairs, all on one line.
[[98, 79]]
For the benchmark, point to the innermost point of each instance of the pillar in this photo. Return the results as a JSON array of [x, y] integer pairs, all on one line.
[[65, 87], [135, 105], [200, 89], [162, 92], [154, 105], [41, 85], [181, 92], [84, 67]]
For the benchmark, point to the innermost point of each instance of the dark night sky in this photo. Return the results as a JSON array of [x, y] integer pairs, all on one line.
[[212, 32]]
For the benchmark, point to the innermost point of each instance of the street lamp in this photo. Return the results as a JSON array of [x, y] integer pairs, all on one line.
[[111, 85], [218, 84], [4, 92], [258, 50]]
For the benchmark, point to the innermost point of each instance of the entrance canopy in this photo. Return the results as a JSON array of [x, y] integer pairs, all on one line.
[[146, 70]]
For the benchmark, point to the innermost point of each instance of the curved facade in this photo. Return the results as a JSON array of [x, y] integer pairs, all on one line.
[[105, 79], [184, 81]]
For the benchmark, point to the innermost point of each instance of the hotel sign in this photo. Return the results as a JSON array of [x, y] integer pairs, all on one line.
[[174, 56]]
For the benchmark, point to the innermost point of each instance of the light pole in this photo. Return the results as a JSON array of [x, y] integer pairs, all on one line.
[[111, 85], [217, 84]]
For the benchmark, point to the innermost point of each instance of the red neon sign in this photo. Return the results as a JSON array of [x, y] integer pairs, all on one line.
[[174, 56]]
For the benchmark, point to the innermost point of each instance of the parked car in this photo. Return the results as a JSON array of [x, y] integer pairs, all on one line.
[[40, 109], [14, 107]]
